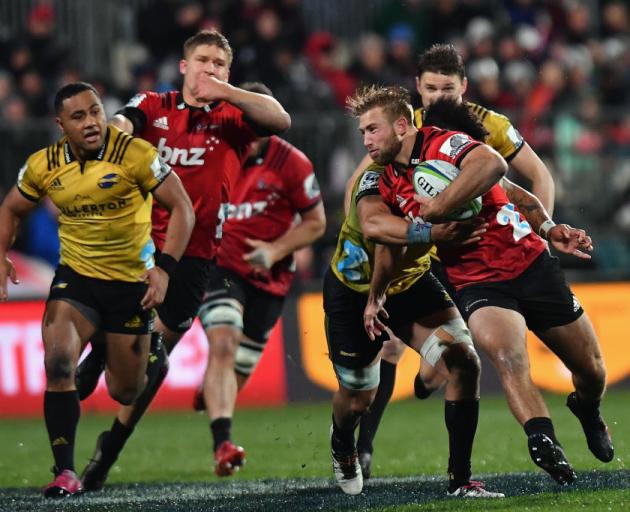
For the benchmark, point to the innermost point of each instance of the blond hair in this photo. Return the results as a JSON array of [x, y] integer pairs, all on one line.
[[394, 100], [211, 38]]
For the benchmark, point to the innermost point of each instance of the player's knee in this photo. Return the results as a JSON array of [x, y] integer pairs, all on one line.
[[453, 342], [246, 360], [125, 394], [358, 379], [58, 368], [223, 344], [511, 362], [463, 361], [361, 401]]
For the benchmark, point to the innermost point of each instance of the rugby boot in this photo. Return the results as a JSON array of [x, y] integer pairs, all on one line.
[[549, 456], [347, 470], [66, 483], [89, 370], [365, 461], [595, 429], [228, 458], [474, 490], [199, 402], [95, 473]]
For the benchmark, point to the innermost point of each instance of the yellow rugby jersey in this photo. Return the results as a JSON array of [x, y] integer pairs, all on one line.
[[502, 136], [353, 260], [105, 203]]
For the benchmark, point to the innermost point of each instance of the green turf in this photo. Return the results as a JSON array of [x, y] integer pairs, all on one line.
[[292, 442]]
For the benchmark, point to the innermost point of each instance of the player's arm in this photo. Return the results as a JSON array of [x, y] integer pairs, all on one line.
[[347, 198], [14, 207], [480, 169], [529, 165], [562, 236], [262, 110], [123, 123], [265, 254], [380, 225], [172, 196], [386, 260]]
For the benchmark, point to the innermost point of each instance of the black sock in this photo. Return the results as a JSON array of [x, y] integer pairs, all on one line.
[[588, 410], [372, 418], [343, 439], [461, 419], [540, 425], [221, 431], [114, 441], [62, 410]]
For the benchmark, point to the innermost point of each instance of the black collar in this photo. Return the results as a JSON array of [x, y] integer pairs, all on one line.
[[181, 104], [69, 156], [414, 159]]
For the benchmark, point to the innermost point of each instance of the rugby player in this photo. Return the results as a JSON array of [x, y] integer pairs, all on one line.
[[203, 132], [102, 181], [505, 283], [254, 271], [422, 312], [441, 74]]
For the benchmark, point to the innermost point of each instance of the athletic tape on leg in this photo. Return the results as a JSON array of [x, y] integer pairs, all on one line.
[[449, 333]]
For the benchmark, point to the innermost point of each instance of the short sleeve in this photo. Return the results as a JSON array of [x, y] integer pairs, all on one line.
[[451, 147], [302, 185], [149, 169], [28, 184], [503, 137]]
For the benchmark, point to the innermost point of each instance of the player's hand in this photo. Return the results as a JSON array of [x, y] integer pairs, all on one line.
[[157, 280], [207, 89], [428, 209], [263, 257], [570, 240], [456, 233], [7, 270], [374, 327]]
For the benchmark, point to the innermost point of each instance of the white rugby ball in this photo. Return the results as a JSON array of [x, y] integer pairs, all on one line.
[[433, 176]]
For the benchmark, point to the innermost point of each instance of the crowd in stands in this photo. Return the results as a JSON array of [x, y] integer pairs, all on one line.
[[559, 69]]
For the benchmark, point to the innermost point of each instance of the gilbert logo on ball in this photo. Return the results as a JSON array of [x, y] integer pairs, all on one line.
[[433, 176]]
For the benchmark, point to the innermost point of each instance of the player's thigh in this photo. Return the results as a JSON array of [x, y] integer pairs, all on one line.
[[354, 356], [183, 298], [222, 310], [71, 316], [576, 344], [127, 357], [262, 311], [501, 334]]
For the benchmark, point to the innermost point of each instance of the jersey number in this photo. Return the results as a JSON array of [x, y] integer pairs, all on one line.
[[508, 215]]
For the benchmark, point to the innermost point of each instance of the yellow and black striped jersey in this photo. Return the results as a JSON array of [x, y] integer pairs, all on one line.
[[502, 136], [104, 203], [353, 261]]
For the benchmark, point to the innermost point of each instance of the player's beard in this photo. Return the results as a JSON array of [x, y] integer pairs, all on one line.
[[388, 154]]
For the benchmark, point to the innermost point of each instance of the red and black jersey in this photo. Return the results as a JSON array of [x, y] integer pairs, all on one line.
[[273, 188], [204, 146], [509, 245]]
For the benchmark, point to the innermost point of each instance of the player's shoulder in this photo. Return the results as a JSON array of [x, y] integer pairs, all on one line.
[[48, 158], [124, 149], [488, 116], [165, 100], [283, 154]]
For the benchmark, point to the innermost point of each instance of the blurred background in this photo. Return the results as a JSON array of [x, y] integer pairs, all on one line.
[[560, 70]]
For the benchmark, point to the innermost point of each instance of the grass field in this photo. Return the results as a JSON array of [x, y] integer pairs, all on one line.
[[288, 462]]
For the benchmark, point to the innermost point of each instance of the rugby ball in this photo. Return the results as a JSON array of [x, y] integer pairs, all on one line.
[[433, 176]]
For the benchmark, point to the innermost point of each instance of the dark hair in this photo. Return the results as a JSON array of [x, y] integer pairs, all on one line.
[[211, 38], [447, 113], [443, 59], [394, 100], [70, 90], [258, 87]]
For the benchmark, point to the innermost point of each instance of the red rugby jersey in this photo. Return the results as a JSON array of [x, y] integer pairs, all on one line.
[[507, 248], [205, 147], [273, 188]]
